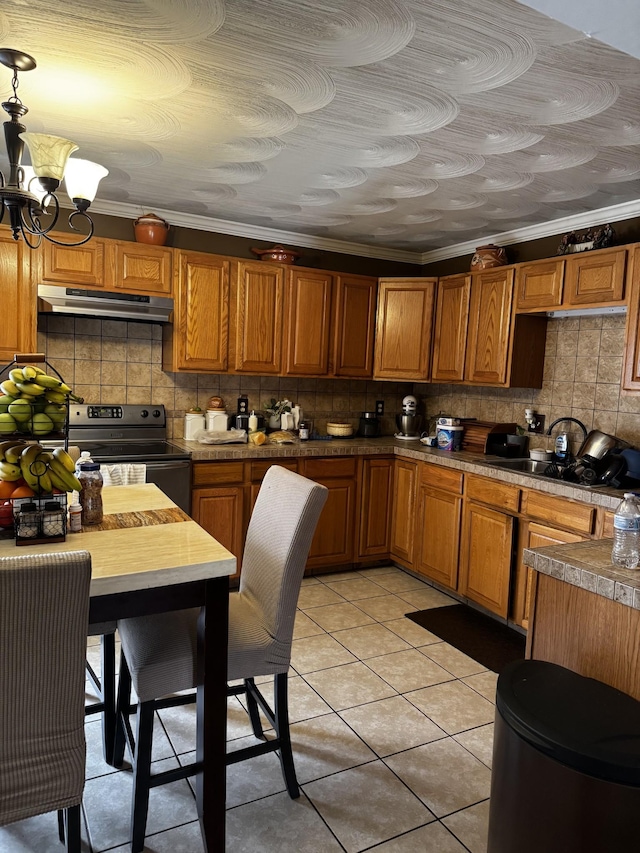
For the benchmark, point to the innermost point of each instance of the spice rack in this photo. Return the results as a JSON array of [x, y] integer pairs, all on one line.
[[40, 520]]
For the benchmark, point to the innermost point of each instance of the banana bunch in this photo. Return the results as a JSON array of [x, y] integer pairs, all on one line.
[[33, 402], [42, 470]]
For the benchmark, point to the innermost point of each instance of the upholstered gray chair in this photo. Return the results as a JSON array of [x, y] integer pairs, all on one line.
[[159, 652], [44, 612]]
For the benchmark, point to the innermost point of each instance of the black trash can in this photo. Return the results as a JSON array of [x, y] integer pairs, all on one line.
[[566, 764]]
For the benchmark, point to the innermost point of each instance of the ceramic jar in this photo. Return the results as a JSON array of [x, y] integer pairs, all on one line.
[[486, 257], [151, 229], [277, 254]]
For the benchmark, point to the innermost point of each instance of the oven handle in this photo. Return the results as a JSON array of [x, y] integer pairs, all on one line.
[[158, 466]]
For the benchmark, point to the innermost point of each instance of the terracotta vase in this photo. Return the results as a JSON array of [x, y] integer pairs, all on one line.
[[151, 229], [486, 257]]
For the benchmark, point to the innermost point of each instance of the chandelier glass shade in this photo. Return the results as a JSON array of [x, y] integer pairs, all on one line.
[[28, 193]]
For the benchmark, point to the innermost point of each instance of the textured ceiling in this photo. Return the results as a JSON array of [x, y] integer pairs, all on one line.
[[405, 124]]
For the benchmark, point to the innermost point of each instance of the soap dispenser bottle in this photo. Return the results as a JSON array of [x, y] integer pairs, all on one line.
[[562, 447]]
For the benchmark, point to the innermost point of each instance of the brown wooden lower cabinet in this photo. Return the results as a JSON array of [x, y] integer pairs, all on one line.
[[376, 484], [333, 541], [438, 524], [486, 554], [403, 514], [221, 512]]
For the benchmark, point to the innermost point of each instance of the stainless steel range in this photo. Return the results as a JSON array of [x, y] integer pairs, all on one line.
[[120, 434]]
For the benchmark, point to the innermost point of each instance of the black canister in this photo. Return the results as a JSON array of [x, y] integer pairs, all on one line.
[[369, 425]]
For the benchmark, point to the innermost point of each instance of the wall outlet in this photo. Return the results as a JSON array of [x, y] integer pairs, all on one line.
[[379, 407], [538, 426]]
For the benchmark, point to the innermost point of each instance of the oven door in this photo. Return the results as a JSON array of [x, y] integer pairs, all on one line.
[[174, 478]]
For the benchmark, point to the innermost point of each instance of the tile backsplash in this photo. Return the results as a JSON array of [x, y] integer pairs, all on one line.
[[582, 375], [115, 361]]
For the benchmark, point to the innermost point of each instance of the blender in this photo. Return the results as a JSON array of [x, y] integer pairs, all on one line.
[[409, 422]]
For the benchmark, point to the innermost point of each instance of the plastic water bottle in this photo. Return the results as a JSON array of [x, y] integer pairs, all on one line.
[[626, 533]]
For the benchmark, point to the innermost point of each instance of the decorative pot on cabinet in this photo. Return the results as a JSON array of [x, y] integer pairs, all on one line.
[[486, 257], [151, 229]]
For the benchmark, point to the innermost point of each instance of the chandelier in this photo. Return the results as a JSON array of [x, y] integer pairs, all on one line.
[[28, 194]]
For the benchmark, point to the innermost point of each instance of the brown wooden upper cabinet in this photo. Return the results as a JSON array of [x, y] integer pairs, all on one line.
[[404, 328], [82, 266], [138, 268], [308, 297], [354, 320], [257, 297], [18, 328], [631, 368], [586, 279], [450, 328], [198, 338]]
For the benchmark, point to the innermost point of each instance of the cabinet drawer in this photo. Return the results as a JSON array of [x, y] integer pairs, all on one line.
[[441, 478], [560, 512], [491, 492], [207, 473], [259, 469], [317, 469]]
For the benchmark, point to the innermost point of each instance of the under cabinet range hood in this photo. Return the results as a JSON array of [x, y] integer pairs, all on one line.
[[57, 299]]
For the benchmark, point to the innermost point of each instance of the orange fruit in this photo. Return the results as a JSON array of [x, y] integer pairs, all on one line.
[[22, 492], [6, 489]]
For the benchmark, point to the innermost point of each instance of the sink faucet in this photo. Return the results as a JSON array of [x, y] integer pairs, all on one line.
[[573, 420]]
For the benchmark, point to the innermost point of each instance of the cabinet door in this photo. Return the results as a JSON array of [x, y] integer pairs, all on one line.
[[220, 512], [354, 325], [439, 516], [198, 338], [258, 290], [332, 543], [375, 507], [405, 489], [79, 266], [631, 368], [593, 278], [533, 535], [18, 328], [308, 314], [489, 327], [450, 329], [403, 330], [539, 285], [138, 268], [485, 565]]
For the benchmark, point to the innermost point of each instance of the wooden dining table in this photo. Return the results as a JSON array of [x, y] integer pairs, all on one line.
[[148, 557]]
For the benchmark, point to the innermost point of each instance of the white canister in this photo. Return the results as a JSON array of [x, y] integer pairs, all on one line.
[[217, 420], [193, 423], [449, 437]]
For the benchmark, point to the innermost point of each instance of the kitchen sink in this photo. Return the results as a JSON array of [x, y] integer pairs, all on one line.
[[526, 466]]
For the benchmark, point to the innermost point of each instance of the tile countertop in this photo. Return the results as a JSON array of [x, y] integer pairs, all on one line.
[[587, 565], [473, 463]]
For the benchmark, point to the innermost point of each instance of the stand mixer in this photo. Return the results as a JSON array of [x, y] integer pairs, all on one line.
[[409, 422]]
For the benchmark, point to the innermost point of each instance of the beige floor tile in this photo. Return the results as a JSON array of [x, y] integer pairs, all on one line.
[[313, 653], [412, 632], [278, 824], [317, 595], [310, 581], [350, 685], [255, 778], [338, 576], [380, 570], [452, 659], [305, 627], [370, 641], [392, 725], [433, 838], [385, 607], [355, 588], [326, 745], [408, 670], [366, 805], [443, 774], [453, 706], [400, 582], [335, 617], [426, 598], [471, 826], [484, 684], [479, 742], [304, 702]]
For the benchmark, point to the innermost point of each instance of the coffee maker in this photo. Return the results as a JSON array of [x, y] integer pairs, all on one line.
[[409, 422]]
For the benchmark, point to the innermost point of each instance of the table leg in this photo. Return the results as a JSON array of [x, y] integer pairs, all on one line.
[[211, 745]]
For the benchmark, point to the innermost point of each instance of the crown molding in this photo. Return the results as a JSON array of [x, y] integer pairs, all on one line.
[[615, 213]]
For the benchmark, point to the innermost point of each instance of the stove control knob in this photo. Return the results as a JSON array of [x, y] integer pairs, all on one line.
[[144, 413], [156, 413]]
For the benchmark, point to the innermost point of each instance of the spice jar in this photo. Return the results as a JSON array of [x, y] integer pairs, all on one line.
[[53, 519], [91, 492], [28, 522]]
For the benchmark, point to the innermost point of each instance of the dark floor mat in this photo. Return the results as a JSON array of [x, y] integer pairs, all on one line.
[[491, 643]]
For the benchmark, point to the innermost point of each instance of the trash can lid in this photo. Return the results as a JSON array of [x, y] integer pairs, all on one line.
[[578, 721]]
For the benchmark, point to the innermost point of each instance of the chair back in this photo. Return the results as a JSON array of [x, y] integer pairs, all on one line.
[[44, 613], [277, 544]]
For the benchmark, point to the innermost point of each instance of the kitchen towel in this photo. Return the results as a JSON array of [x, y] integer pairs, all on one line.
[[123, 474]]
